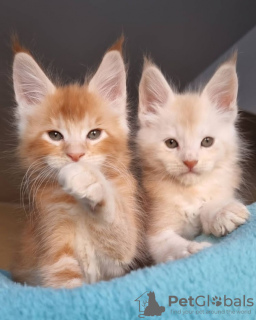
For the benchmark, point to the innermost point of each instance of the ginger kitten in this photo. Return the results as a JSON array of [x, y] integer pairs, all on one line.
[[190, 153], [85, 224]]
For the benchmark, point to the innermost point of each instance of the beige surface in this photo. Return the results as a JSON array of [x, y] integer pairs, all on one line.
[[11, 224]]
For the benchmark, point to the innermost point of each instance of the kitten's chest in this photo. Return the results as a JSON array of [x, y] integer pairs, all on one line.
[[190, 212], [196, 198], [191, 201], [95, 264], [189, 204], [86, 254]]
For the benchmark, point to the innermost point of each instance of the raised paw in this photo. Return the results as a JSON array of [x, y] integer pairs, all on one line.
[[82, 183], [228, 219]]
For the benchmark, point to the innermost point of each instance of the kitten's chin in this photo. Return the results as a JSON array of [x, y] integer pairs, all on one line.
[[189, 179]]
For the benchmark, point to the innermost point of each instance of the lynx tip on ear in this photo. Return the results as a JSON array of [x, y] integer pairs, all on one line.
[[16, 46], [147, 62], [118, 45], [233, 58]]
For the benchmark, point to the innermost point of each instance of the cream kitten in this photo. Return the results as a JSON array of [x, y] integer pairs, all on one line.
[[190, 150]]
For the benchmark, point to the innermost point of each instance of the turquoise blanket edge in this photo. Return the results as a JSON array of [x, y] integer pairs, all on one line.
[[224, 272]]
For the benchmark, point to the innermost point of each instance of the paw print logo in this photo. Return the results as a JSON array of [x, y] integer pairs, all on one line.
[[216, 301]]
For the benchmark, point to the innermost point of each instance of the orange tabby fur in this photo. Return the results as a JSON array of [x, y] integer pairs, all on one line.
[[66, 243]]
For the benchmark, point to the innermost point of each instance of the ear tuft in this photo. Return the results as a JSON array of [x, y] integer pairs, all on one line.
[[110, 80], [154, 91], [118, 45], [31, 85], [222, 88], [233, 58], [148, 63], [16, 45]]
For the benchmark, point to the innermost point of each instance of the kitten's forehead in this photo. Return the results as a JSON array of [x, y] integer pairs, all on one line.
[[189, 109], [73, 127], [74, 103], [189, 112]]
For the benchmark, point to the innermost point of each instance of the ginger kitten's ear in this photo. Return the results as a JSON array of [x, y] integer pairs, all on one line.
[[154, 93], [222, 88], [31, 85], [110, 79]]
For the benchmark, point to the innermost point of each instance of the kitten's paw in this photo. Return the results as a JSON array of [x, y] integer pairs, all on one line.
[[228, 219], [192, 248], [82, 183], [195, 247]]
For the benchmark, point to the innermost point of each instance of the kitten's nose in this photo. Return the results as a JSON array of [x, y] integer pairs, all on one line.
[[75, 156], [190, 164]]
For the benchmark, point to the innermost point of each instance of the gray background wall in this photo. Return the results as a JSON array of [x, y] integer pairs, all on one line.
[[246, 69]]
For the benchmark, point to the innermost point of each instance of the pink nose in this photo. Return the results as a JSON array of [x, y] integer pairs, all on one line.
[[190, 164], [75, 156]]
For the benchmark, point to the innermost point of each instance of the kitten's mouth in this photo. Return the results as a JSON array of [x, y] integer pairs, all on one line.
[[190, 172]]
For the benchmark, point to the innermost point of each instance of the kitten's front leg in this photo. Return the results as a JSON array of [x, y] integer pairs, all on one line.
[[89, 186], [168, 245], [221, 220]]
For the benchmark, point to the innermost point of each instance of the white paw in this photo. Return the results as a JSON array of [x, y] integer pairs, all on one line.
[[228, 219], [82, 183], [192, 248], [195, 247]]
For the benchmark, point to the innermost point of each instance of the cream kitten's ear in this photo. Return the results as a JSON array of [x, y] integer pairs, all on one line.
[[222, 88], [31, 85], [110, 79], [154, 93]]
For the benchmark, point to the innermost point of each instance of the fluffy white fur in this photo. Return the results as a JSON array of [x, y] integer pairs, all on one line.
[[184, 202]]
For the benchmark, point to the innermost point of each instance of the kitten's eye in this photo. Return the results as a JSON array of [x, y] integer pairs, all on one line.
[[94, 134], [171, 143], [55, 135], [207, 142]]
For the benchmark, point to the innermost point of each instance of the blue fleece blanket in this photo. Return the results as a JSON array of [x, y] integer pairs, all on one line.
[[217, 283]]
